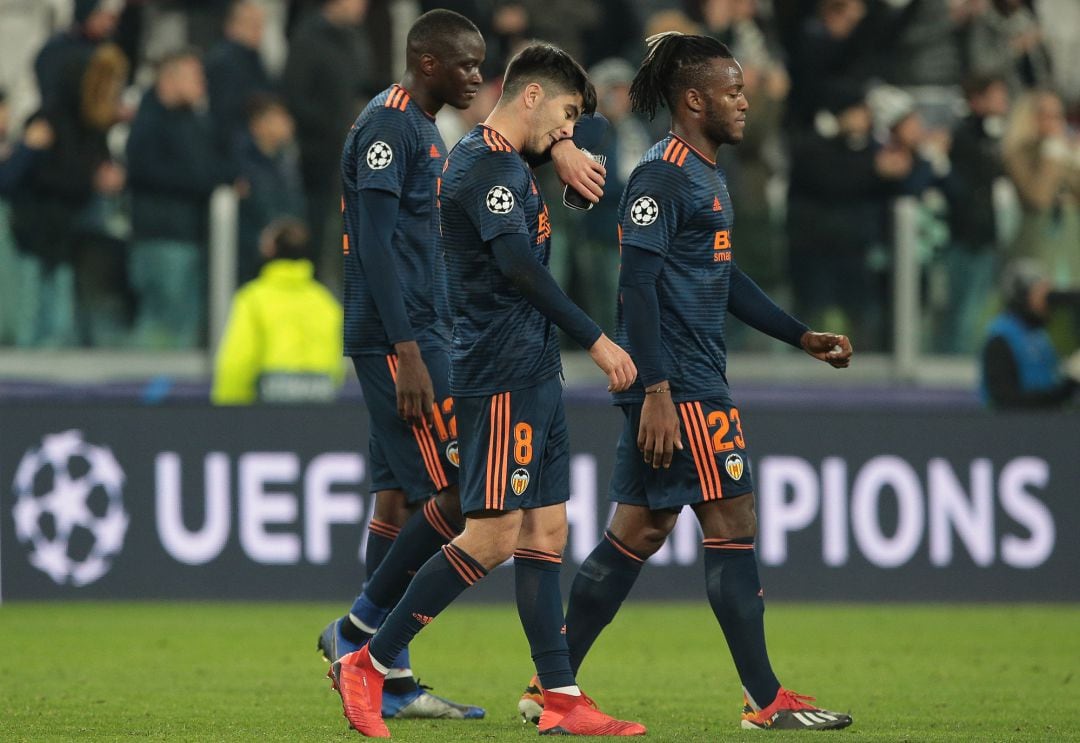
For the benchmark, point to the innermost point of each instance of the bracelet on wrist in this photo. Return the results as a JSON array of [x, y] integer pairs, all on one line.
[[658, 390]]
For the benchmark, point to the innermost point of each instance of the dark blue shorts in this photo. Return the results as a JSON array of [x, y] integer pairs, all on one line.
[[515, 450], [714, 462], [418, 460]]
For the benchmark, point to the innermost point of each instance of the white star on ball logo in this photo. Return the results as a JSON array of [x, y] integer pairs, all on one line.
[[500, 200], [644, 211], [69, 509], [379, 155]]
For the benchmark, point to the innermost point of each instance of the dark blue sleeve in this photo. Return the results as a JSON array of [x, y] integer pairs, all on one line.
[[14, 169], [515, 258], [750, 304], [374, 213], [656, 204], [384, 147], [641, 311], [494, 195], [588, 134]]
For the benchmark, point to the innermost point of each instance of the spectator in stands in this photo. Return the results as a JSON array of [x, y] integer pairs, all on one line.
[[283, 339], [268, 168], [235, 72], [61, 63], [1020, 367], [838, 50], [59, 205], [173, 168], [1005, 39], [325, 84], [1043, 160], [17, 158], [971, 260], [835, 199]]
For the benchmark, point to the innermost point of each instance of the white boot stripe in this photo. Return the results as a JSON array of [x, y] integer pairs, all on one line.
[[828, 716], [801, 718]]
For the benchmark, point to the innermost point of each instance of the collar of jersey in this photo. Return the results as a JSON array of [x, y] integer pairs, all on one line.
[[696, 151], [501, 136], [411, 101]]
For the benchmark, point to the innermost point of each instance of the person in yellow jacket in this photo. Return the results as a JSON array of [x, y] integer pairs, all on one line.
[[282, 342]]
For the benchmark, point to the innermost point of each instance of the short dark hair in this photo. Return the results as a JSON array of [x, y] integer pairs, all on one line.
[[290, 238], [542, 63], [435, 31], [674, 62], [259, 104]]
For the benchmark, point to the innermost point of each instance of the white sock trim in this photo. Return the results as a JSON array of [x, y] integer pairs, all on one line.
[[399, 673], [361, 626], [572, 691], [378, 666]]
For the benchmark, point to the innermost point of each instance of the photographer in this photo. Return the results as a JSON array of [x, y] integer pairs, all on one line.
[[1020, 367]]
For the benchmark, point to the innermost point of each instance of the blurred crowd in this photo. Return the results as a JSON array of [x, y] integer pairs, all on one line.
[[140, 109]]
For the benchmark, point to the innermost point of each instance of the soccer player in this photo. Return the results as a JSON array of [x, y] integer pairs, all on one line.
[[397, 333], [505, 378], [683, 441]]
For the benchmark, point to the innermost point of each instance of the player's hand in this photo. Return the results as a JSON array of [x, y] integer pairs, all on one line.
[[831, 348], [658, 433], [415, 393], [614, 362], [578, 170]]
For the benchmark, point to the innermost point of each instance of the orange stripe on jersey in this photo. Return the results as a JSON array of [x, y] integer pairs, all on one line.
[[495, 454], [531, 554], [401, 104], [438, 522], [700, 451], [391, 100], [682, 156], [503, 452], [424, 442], [710, 459], [430, 454], [487, 139], [667, 150]]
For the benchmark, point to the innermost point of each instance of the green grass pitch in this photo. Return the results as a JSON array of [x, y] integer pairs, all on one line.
[[210, 671]]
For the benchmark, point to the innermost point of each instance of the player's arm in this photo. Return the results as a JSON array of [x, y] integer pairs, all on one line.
[[574, 167], [749, 303], [515, 259], [375, 214], [658, 434]]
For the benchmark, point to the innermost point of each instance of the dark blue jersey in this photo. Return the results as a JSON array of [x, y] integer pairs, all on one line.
[[394, 147], [676, 204], [500, 342]]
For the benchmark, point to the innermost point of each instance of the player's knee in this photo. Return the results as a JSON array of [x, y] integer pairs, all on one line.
[[449, 504], [391, 507]]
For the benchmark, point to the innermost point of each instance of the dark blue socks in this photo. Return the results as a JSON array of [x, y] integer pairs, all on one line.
[[434, 587], [539, 604], [734, 590], [601, 585]]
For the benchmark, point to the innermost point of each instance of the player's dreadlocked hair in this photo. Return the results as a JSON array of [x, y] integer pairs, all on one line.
[[673, 63]]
